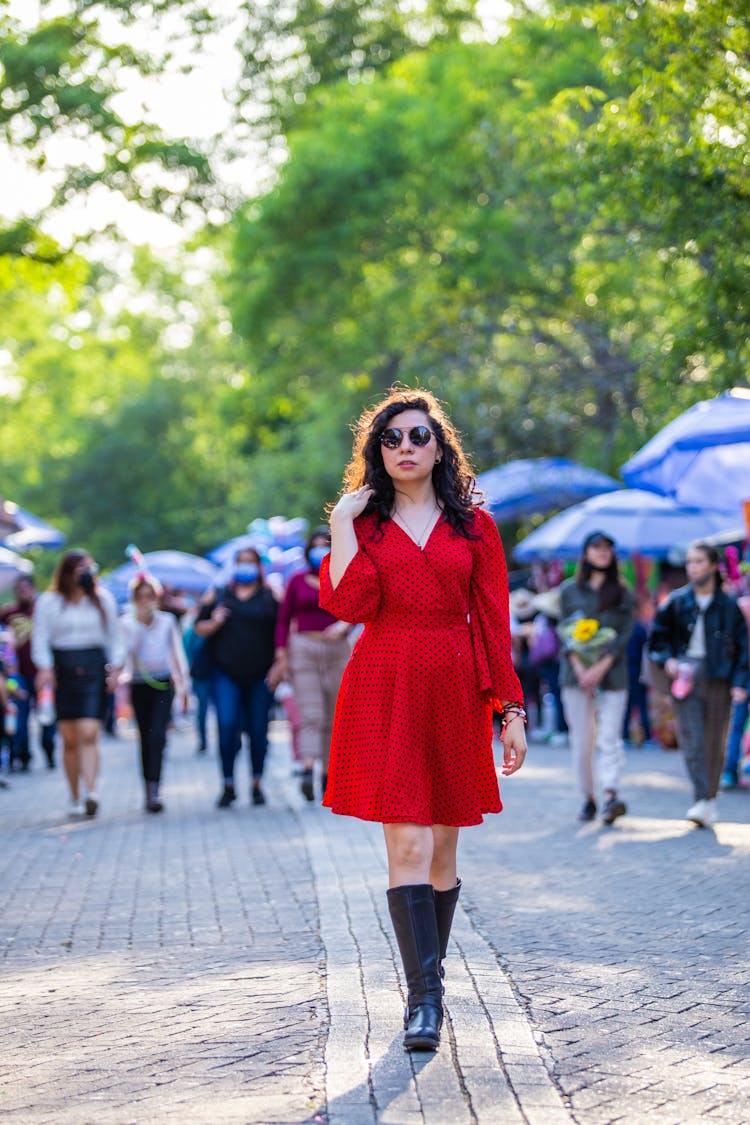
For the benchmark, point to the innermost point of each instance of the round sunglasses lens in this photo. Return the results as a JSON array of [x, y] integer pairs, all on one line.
[[391, 439], [420, 435]]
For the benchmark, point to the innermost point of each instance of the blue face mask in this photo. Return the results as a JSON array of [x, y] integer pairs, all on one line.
[[246, 574], [316, 556]]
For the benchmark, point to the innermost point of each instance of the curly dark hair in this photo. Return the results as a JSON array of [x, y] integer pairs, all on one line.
[[452, 476]]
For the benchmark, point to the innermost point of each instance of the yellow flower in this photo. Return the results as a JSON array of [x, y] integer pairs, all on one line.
[[585, 629]]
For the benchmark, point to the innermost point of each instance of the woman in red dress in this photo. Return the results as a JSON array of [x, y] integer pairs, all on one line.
[[415, 560]]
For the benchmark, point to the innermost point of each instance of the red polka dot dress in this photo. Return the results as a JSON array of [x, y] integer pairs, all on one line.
[[412, 735]]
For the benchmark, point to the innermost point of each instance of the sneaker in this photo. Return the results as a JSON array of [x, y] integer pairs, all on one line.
[[75, 808], [257, 796], [650, 744], [729, 780], [91, 805], [228, 797], [702, 813], [588, 812], [613, 807], [559, 738], [154, 805]]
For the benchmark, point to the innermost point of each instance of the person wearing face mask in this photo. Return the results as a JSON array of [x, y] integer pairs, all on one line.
[[312, 651], [77, 648], [157, 669], [700, 639], [239, 623], [594, 692], [19, 617]]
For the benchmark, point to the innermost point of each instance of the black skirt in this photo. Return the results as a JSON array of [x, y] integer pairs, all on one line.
[[80, 676]]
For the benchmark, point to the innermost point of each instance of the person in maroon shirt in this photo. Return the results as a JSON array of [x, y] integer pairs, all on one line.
[[18, 617], [312, 650]]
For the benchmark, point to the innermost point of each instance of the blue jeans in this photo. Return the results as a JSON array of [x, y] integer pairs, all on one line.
[[21, 750], [202, 693], [734, 738], [241, 707]]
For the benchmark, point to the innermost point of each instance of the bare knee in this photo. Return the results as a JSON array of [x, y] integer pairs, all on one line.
[[410, 849]]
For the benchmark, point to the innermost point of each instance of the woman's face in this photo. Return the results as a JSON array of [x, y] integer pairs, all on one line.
[[700, 569], [410, 461], [145, 600], [599, 554], [248, 555]]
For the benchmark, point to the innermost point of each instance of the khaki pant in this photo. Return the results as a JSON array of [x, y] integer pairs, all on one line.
[[316, 667], [595, 724]]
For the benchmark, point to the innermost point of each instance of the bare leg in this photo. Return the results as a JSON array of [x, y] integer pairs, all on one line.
[[88, 742], [71, 760], [443, 873], [410, 849]]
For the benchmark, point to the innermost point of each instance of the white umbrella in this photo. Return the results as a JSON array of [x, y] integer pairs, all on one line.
[[12, 567]]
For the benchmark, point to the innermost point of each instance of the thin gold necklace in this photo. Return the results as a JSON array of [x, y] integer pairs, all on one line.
[[418, 539]]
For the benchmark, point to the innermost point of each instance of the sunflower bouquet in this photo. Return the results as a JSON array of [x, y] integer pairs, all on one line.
[[586, 637]]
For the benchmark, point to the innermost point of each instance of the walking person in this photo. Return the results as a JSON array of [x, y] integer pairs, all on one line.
[[158, 670], [731, 776], [19, 618], [700, 638], [312, 651], [424, 569], [594, 682], [239, 622], [77, 648]]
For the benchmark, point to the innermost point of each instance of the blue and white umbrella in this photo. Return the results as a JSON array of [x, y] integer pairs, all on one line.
[[541, 484], [12, 567], [640, 523], [177, 569], [702, 458], [20, 530]]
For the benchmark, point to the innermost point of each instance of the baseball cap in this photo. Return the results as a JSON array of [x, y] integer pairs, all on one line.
[[594, 536]]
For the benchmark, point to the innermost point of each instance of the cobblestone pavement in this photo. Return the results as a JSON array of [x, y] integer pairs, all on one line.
[[237, 967]]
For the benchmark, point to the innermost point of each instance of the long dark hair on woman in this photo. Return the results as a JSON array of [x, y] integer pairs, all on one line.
[[612, 589], [452, 477], [64, 580]]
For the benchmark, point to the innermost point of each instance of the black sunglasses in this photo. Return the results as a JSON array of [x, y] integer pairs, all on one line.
[[418, 435]]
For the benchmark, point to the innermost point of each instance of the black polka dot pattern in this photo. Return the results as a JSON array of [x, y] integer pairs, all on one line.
[[412, 737]]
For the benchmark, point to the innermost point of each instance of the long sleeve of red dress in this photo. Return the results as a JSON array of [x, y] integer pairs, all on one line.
[[357, 596], [489, 616]]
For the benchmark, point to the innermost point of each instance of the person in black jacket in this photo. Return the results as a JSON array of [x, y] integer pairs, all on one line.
[[700, 639], [239, 624]]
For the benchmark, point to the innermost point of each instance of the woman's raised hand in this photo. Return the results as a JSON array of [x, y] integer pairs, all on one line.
[[352, 504]]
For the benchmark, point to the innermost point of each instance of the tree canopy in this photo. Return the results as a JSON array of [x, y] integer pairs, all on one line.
[[549, 230]]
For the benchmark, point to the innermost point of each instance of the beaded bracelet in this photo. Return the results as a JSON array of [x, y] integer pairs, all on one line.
[[512, 711]]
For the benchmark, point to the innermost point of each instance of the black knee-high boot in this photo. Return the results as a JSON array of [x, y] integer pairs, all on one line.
[[412, 910], [445, 908]]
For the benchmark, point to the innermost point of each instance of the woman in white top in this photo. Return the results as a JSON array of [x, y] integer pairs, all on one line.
[[77, 649], [157, 666]]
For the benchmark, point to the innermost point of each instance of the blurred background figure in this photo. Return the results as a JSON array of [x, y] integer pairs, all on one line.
[[638, 692], [157, 668], [18, 617], [239, 624], [544, 656], [312, 651], [733, 775], [77, 648], [594, 687], [700, 638], [201, 670]]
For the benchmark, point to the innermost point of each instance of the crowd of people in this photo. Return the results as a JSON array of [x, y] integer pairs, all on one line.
[[687, 646], [399, 726]]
